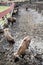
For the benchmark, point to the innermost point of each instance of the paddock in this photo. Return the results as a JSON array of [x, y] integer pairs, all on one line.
[[27, 23]]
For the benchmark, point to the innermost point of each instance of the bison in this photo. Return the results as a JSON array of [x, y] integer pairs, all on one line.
[[23, 46], [8, 36], [15, 12], [11, 20], [26, 8]]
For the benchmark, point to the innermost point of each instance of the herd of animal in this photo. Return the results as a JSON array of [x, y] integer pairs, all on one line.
[[8, 36]]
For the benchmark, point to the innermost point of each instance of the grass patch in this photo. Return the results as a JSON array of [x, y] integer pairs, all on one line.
[[8, 15], [3, 8], [2, 22]]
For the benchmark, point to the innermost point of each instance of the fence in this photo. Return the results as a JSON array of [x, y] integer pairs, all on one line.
[[11, 7]]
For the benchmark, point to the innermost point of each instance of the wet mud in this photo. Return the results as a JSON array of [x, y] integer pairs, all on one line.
[[28, 23]]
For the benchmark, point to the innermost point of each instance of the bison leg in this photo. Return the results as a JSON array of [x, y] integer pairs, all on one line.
[[22, 56], [8, 23], [16, 59], [12, 23]]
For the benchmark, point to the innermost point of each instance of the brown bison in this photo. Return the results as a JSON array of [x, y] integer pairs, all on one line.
[[11, 20], [15, 12], [8, 36], [23, 46], [5, 25], [26, 8]]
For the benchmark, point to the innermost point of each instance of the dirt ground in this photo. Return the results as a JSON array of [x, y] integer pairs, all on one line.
[[28, 23]]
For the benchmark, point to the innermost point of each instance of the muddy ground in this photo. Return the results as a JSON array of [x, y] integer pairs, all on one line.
[[28, 23]]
